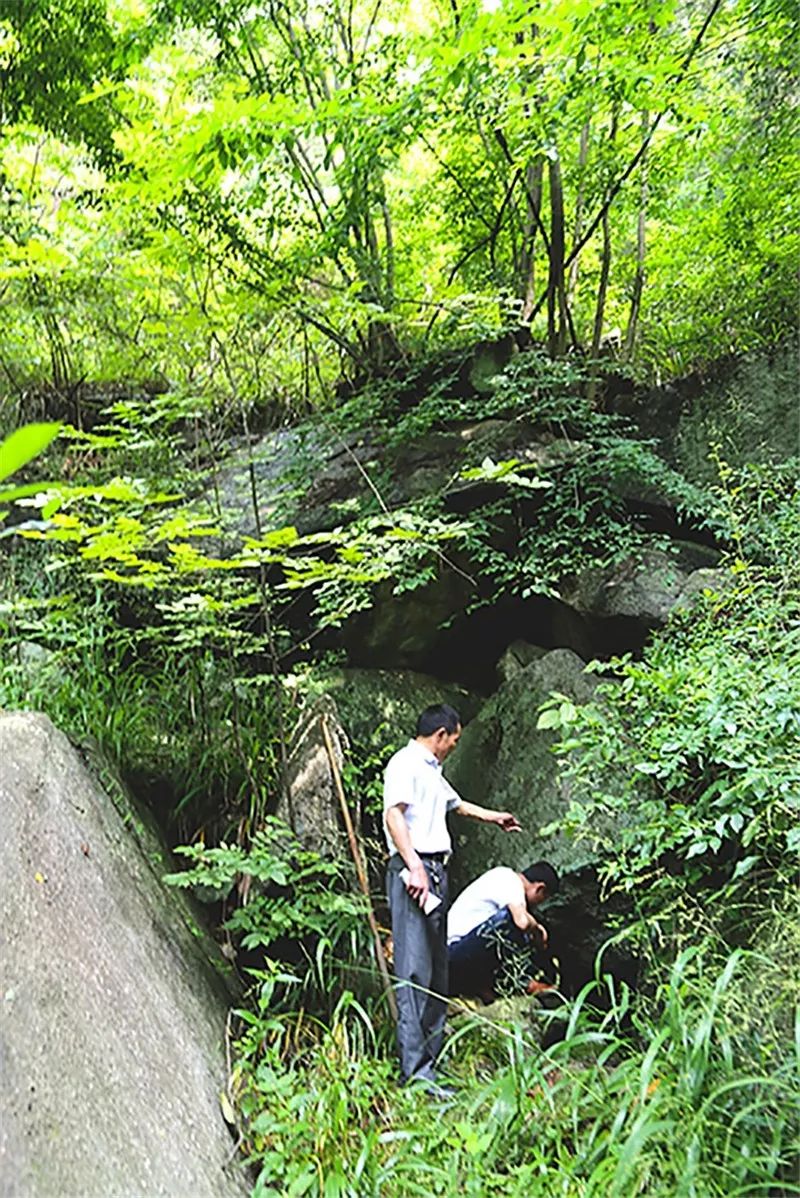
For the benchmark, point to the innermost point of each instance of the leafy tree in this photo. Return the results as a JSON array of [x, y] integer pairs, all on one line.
[[51, 54], [293, 192]]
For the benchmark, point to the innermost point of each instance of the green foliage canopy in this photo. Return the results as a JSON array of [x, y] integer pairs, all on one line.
[[288, 191]]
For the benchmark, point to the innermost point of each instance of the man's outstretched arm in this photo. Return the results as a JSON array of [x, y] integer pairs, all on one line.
[[503, 819]]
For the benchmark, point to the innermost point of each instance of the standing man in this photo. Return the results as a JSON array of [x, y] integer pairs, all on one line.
[[416, 799]]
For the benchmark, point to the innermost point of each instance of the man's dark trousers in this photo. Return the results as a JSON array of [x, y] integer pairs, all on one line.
[[476, 959], [420, 966]]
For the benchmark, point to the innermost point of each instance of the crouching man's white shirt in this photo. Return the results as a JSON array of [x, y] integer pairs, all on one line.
[[497, 888], [414, 779]]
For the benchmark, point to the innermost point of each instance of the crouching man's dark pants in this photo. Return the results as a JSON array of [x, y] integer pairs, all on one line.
[[420, 967], [477, 959]]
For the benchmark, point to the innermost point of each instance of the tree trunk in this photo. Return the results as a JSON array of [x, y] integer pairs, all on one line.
[[556, 296], [377, 275], [602, 289], [533, 202], [605, 258], [641, 247], [583, 155]]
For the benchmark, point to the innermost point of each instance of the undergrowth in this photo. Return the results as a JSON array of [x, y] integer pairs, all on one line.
[[687, 1088], [670, 1096], [684, 770], [170, 696]]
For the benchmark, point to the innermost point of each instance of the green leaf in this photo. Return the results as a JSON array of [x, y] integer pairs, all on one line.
[[549, 719], [24, 491], [25, 444], [744, 866]]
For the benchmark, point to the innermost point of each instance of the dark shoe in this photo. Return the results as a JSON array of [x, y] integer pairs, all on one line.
[[432, 1089]]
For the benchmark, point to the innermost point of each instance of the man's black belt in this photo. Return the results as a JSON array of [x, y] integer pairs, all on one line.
[[443, 857]]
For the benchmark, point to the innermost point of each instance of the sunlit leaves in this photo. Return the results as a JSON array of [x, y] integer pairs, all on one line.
[[22, 259], [510, 471], [559, 712], [278, 538], [347, 191]]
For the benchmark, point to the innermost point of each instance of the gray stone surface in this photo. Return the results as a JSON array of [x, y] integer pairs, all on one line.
[[503, 761], [312, 806], [317, 478], [749, 414], [645, 588], [300, 476], [706, 579], [744, 409], [112, 1018], [489, 360], [516, 658], [403, 630], [378, 708]]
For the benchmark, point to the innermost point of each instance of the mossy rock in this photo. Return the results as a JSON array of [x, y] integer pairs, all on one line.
[[505, 762], [379, 708], [751, 415]]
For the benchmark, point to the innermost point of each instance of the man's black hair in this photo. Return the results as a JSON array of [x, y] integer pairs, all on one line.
[[542, 871], [438, 716]]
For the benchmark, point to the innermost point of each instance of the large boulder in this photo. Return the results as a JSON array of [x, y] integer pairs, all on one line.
[[504, 761], [317, 479], [462, 614], [112, 1011], [260, 485], [379, 708]]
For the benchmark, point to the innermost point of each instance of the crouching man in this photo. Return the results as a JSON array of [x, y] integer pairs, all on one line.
[[492, 932]]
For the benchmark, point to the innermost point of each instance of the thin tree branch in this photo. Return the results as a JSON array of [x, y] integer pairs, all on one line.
[[616, 187]]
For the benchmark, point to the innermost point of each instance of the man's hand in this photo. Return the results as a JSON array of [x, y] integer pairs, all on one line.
[[417, 881], [507, 821], [503, 819], [536, 987], [417, 884], [537, 932]]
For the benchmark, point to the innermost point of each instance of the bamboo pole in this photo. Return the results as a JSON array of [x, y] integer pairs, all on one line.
[[361, 873]]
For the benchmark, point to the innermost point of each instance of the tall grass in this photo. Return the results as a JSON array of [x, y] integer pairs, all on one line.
[[669, 1096]]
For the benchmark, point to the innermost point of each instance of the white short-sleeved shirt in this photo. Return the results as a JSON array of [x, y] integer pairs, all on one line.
[[497, 888], [413, 777]]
